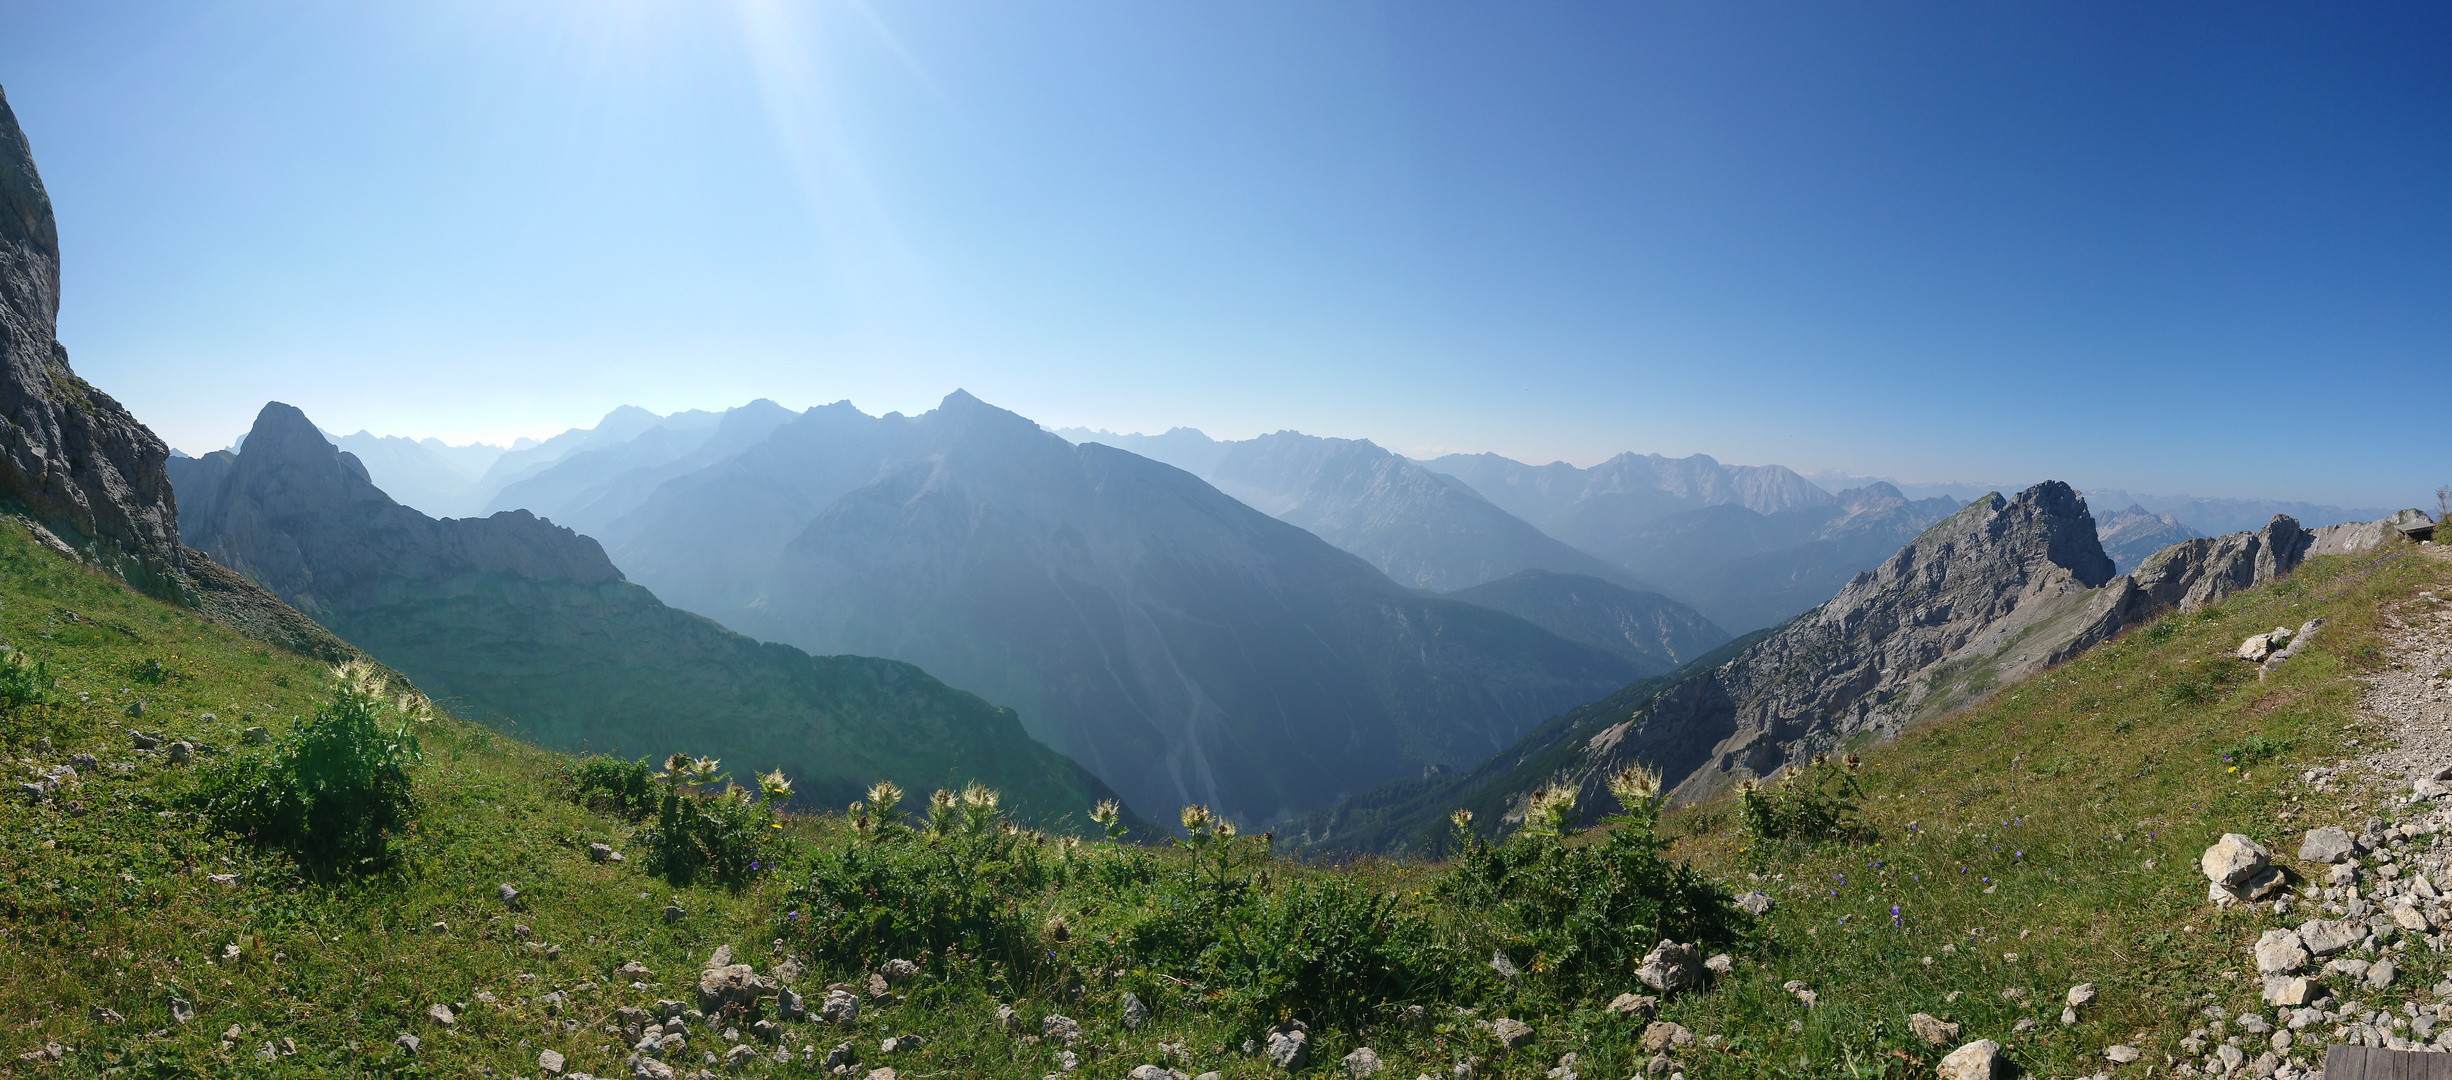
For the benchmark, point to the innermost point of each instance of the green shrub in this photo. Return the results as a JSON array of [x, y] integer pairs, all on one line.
[[1812, 803], [1579, 917], [336, 792], [24, 682], [903, 892], [727, 835], [609, 785]]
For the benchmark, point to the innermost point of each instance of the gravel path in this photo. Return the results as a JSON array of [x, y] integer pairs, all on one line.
[[2411, 703]]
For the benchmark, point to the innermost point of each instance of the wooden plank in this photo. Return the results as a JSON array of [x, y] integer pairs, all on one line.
[[2370, 1063]]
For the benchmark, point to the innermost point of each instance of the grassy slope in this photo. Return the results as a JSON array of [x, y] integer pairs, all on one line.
[[2098, 766], [2025, 827]]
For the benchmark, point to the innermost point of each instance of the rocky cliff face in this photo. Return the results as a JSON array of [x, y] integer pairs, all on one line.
[[523, 622], [71, 458], [1996, 592], [88, 479]]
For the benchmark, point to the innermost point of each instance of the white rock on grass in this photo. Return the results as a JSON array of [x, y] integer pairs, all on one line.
[[2326, 937], [1671, 967], [2279, 952], [1978, 1060], [2121, 1055], [2081, 994], [2235, 860], [2330, 844]]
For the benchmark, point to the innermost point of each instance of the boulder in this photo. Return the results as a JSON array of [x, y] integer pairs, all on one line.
[[2279, 952], [1662, 1036], [1933, 1029], [1671, 967], [1978, 1060], [1289, 1048], [2234, 861], [1634, 1005], [1511, 1033], [2326, 937], [1362, 1063], [2330, 844], [732, 984], [2259, 646], [1756, 903]]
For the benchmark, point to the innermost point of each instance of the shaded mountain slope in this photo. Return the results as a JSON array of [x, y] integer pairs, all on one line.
[[1418, 527], [1648, 629], [1182, 645], [1747, 569], [517, 619]]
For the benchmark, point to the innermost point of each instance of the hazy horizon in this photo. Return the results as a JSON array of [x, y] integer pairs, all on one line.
[[2171, 250]]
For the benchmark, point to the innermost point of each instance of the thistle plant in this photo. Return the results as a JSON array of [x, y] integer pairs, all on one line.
[[1550, 812], [1637, 790], [1109, 815]]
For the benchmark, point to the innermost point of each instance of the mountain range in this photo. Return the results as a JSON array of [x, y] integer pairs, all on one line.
[[1744, 545], [525, 623], [1998, 591]]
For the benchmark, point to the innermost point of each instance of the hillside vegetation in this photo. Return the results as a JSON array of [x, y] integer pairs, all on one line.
[[2014, 841]]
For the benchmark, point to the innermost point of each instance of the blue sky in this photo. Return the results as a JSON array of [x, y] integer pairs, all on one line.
[[2193, 247]]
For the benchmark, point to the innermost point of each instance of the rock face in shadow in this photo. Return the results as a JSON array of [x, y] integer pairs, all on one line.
[[1650, 630], [519, 620], [88, 479]]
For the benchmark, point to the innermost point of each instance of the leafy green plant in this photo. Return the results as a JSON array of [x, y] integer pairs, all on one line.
[[609, 785], [24, 682], [1580, 916], [910, 892], [336, 792], [725, 835], [1821, 800]]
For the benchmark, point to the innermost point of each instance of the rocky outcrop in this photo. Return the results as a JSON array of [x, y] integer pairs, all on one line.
[[71, 458], [86, 477], [1996, 592], [303, 518]]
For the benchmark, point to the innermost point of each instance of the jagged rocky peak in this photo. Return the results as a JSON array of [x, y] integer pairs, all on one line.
[[1980, 563], [1995, 592], [71, 458], [345, 536]]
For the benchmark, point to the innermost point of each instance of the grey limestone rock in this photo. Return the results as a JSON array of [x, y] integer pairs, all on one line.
[[1978, 1060], [2330, 844], [1511, 1033], [1288, 1049], [1362, 1063], [1135, 1013], [2235, 860], [1671, 967], [1662, 1036]]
